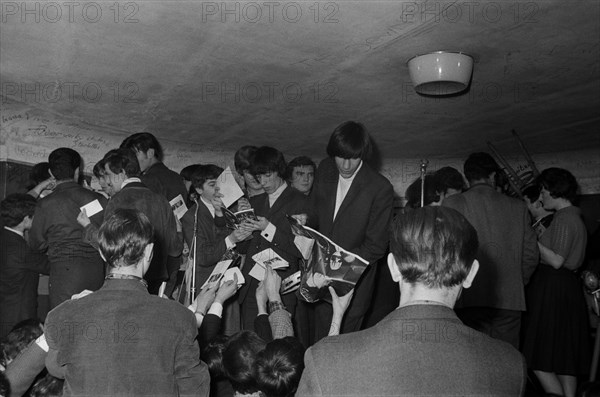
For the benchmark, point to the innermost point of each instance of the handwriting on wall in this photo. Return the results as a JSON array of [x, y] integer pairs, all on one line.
[[29, 136]]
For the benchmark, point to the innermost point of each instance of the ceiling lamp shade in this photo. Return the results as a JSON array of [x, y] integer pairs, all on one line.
[[440, 73]]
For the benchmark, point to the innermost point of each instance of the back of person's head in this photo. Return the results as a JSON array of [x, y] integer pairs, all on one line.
[[63, 163], [413, 192], [239, 358], [560, 183], [15, 207], [123, 237], [449, 178], [142, 142], [39, 173], [123, 160], [433, 246], [301, 161], [204, 173], [243, 158], [187, 172], [267, 159], [212, 355], [48, 386], [350, 140], [532, 192], [279, 367], [21, 335], [479, 166]]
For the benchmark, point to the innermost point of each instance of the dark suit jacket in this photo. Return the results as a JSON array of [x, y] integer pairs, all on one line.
[[74, 264], [20, 269], [121, 340], [508, 251], [362, 222], [290, 202], [163, 181], [167, 243], [210, 240], [415, 350]]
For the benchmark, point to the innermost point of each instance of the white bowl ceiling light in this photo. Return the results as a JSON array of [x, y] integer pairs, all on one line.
[[441, 73]]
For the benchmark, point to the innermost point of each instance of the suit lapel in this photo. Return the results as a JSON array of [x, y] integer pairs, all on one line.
[[355, 187], [280, 202]]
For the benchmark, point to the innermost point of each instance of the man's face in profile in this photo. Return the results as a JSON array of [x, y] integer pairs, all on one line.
[[347, 167], [302, 178]]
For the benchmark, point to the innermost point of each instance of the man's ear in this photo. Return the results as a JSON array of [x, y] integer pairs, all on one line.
[[150, 153], [198, 190], [393, 266], [472, 273]]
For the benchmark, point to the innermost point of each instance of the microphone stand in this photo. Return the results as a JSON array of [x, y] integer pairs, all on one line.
[[193, 251], [423, 171]]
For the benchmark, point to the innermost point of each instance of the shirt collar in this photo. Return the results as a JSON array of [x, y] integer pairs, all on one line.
[[15, 231], [208, 205], [130, 180], [275, 195]]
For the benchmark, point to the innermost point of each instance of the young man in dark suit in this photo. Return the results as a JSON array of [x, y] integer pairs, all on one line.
[[421, 348], [508, 252], [213, 238], [74, 264], [20, 267], [352, 205], [272, 229], [122, 173]]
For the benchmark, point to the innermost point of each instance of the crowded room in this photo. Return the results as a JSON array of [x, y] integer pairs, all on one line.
[[276, 199]]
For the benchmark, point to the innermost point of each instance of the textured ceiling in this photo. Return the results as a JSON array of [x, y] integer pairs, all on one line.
[[286, 73]]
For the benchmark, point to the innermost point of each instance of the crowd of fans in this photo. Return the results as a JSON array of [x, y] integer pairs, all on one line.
[[122, 320]]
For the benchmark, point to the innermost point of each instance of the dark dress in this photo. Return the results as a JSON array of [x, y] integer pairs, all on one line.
[[557, 337]]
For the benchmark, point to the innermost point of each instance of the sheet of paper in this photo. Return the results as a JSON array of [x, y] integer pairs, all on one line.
[[270, 257], [258, 272], [178, 206], [228, 275], [91, 208], [229, 188], [290, 283], [216, 274]]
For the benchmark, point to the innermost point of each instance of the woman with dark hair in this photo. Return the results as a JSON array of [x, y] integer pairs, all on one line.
[[556, 340]]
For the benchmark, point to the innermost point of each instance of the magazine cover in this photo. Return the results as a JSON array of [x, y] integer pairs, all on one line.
[[235, 219], [324, 264]]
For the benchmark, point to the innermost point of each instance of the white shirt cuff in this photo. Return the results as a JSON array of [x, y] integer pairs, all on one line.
[[216, 308], [269, 232], [41, 342], [229, 243]]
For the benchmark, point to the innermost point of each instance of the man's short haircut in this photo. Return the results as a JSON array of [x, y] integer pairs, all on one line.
[[301, 161], [239, 358], [187, 172], [350, 140], [449, 178], [268, 159], [203, 173], [560, 183], [98, 169], [243, 158], [123, 160], [433, 246], [123, 237], [479, 166], [279, 367], [212, 355], [15, 207], [63, 163], [413, 192], [141, 142], [532, 192]]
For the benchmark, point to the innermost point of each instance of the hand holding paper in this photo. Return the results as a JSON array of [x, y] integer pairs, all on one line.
[[83, 219]]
